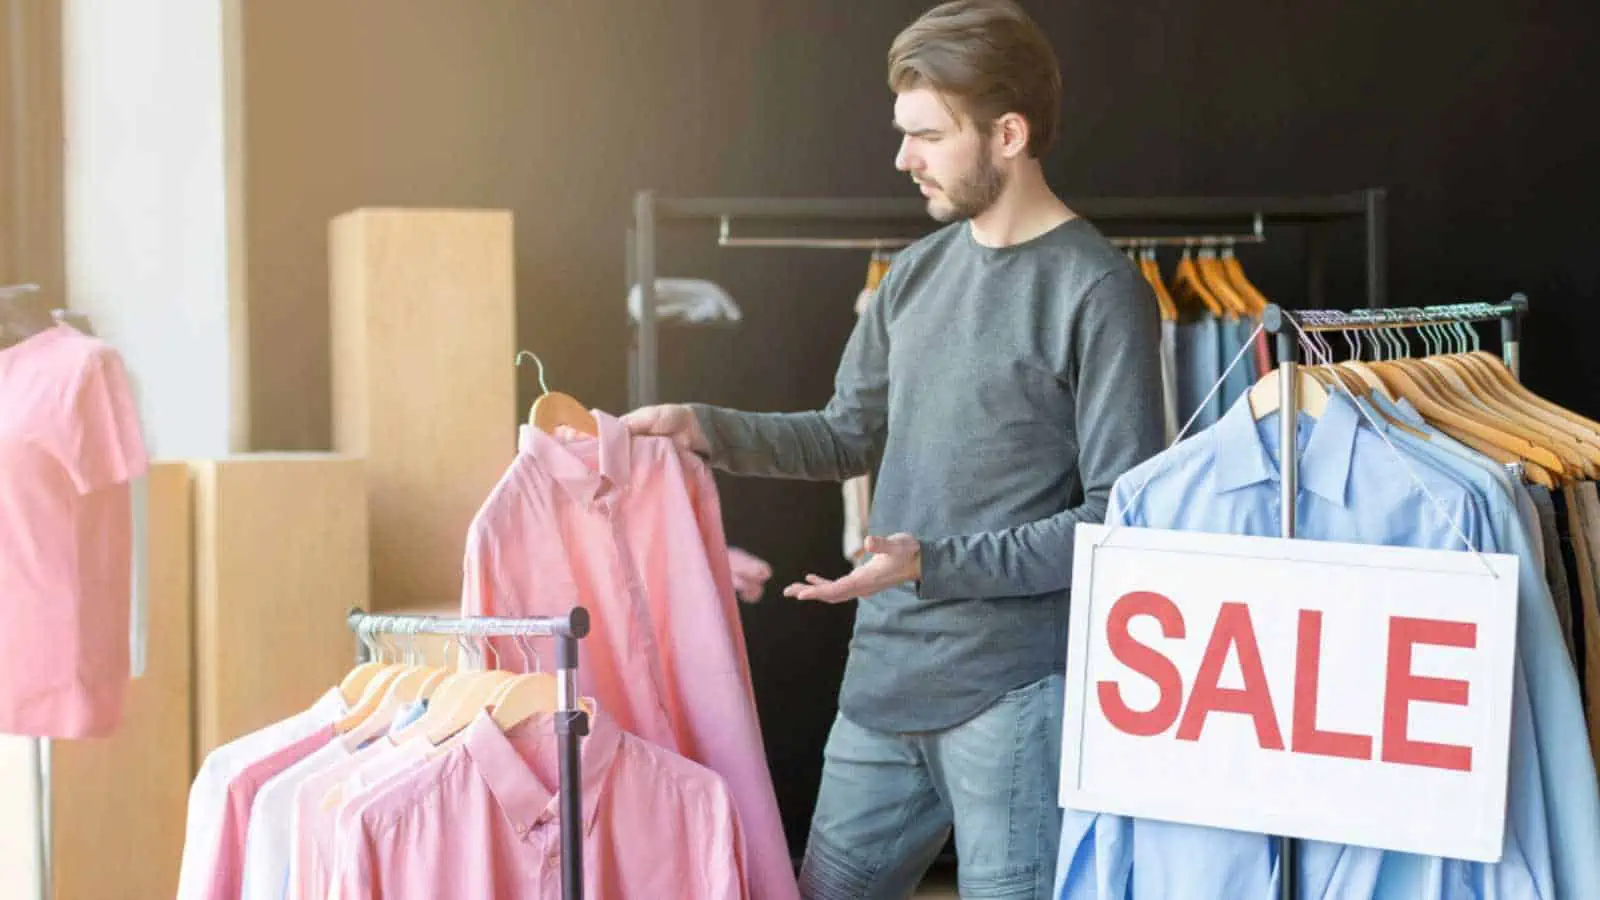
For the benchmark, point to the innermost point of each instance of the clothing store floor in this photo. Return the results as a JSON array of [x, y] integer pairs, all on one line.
[[939, 885]]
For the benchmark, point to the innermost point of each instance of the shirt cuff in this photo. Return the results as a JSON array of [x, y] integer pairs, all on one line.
[[939, 574], [714, 425]]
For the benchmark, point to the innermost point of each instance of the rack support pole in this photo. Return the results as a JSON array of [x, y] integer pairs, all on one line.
[[1289, 491], [1377, 249], [1511, 335], [572, 724], [644, 271], [42, 826]]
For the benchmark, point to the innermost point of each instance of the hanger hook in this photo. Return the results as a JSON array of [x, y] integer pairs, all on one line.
[[364, 633], [536, 361], [536, 664]]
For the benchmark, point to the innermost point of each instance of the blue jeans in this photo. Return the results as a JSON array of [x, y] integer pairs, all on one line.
[[889, 800]]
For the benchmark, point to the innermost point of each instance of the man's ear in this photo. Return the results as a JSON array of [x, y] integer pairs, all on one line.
[[1011, 132]]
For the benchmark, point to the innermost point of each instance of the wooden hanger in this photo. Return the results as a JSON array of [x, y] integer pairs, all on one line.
[[1189, 287], [454, 705], [1396, 379], [523, 697], [1217, 283], [877, 267], [1335, 377], [371, 699], [1468, 400], [554, 409], [1493, 372], [1459, 393], [353, 687], [1311, 396], [1234, 270], [413, 683], [1152, 273], [1545, 429], [1401, 382], [471, 700], [1372, 381]]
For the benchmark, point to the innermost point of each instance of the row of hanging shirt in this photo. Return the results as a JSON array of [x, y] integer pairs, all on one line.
[[1397, 452], [72, 462], [419, 787], [1209, 312]]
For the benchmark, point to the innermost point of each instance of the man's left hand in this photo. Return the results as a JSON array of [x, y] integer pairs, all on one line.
[[894, 560]]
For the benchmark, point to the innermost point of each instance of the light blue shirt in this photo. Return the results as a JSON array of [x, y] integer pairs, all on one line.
[[1352, 488], [1527, 835], [1571, 792], [1199, 364], [408, 714], [1231, 339]]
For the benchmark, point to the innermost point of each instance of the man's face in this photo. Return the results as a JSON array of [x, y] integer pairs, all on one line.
[[952, 163]]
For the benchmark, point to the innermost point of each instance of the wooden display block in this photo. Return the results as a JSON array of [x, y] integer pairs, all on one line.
[[119, 803], [424, 383], [280, 558]]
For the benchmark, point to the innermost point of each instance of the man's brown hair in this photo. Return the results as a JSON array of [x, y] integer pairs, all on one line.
[[990, 58]]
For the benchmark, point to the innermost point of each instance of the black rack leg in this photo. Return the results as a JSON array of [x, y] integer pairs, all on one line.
[[571, 726], [1377, 249]]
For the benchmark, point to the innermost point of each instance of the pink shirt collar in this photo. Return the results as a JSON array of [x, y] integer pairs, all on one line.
[[563, 459], [527, 802]]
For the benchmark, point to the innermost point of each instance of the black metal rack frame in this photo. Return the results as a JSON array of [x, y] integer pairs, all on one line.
[[1315, 214]]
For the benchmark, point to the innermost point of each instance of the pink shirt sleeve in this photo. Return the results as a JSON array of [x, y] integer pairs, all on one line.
[[227, 874], [105, 445]]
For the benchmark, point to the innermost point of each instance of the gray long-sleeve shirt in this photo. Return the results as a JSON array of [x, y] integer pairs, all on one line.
[[999, 392]]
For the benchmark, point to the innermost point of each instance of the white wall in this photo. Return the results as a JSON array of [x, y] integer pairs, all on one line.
[[147, 218]]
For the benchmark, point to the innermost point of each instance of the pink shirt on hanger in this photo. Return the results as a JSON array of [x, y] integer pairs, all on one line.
[[227, 873], [314, 824], [69, 444], [483, 820], [631, 528]]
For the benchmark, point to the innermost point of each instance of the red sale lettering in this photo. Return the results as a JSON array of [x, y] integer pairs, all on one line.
[[1144, 660], [1403, 688], [1306, 736], [1233, 629]]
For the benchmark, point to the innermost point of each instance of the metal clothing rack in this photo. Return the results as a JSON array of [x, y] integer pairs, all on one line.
[[572, 722], [1316, 214], [1276, 322]]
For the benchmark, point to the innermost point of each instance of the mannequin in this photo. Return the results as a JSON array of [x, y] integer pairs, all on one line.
[[24, 312]]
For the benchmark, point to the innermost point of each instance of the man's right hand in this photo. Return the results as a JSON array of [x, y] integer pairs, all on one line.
[[671, 420]]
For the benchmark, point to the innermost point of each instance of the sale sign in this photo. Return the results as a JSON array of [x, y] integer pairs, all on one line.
[[1329, 691]]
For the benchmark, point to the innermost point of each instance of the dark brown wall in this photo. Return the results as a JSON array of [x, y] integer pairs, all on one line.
[[1478, 116]]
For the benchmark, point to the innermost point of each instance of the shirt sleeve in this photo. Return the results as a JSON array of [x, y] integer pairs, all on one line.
[[355, 867], [1114, 371], [837, 442], [723, 863], [104, 444]]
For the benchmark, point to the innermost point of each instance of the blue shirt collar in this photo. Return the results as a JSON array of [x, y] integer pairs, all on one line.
[[1243, 458]]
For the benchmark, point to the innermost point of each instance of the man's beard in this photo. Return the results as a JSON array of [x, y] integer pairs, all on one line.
[[971, 195]]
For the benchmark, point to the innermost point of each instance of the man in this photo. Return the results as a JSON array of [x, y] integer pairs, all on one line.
[[1005, 376]]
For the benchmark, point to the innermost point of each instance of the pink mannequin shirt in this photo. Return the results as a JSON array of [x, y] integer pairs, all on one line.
[[69, 445]]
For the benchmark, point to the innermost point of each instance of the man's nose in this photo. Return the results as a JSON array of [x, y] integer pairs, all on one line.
[[903, 159]]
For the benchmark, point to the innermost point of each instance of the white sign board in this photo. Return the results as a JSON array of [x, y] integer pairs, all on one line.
[[1335, 692]]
